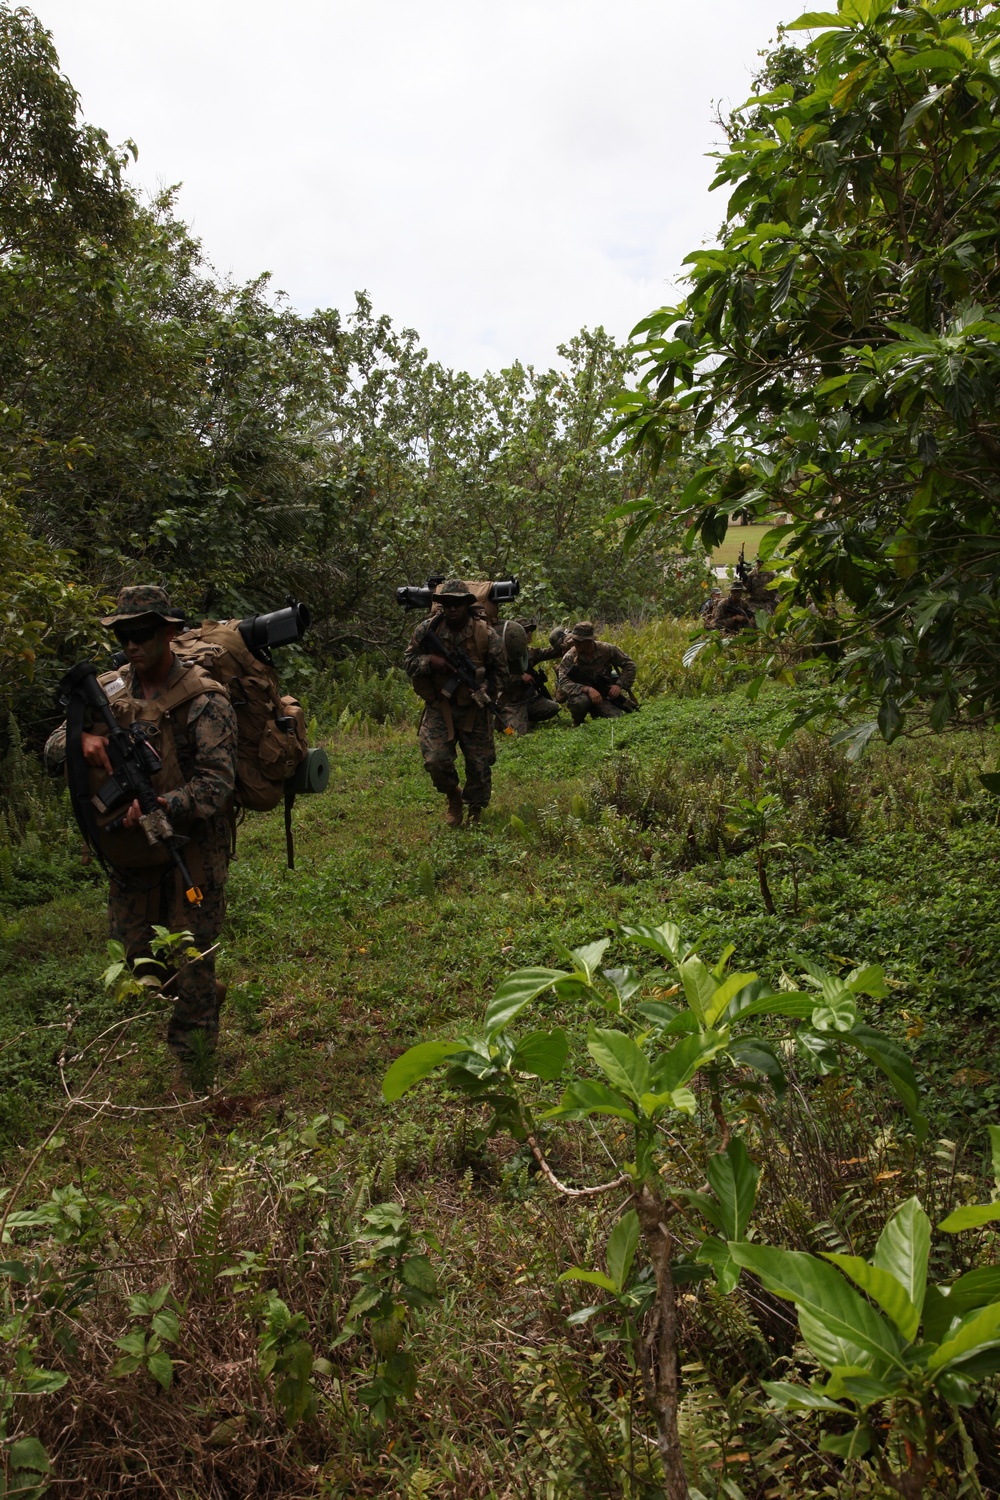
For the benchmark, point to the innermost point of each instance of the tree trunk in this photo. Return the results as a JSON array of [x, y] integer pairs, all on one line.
[[658, 1349]]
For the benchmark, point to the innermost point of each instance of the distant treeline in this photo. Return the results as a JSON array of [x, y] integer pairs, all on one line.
[[159, 423]]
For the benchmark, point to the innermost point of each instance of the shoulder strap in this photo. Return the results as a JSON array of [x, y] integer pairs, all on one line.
[[194, 682], [481, 632]]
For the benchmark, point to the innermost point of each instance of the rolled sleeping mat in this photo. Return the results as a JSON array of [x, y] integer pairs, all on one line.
[[313, 775]]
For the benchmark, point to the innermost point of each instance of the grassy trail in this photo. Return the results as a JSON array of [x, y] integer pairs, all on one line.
[[394, 928]]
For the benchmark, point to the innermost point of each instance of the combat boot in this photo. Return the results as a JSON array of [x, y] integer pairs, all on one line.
[[475, 813], [453, 812]]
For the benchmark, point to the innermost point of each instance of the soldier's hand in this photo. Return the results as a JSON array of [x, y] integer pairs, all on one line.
[[526, 677], [134, 813], [595, 696], [437, 663], [95, 751], [614, 691]]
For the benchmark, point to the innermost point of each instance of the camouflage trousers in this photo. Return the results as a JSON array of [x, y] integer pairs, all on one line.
[[139, 899], [521, 717], [477, 746], [603, 710]]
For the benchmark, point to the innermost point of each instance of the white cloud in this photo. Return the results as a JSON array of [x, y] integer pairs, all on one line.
[[495, 176]]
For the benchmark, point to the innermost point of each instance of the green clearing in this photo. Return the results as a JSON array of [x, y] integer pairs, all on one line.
[[393, 929], [728, 552]]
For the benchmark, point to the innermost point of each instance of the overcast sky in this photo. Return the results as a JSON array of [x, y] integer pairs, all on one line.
[[495, 175]]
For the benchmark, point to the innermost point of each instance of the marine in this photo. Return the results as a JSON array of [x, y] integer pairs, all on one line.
[[196, 738], [455, 716], [595, 677], [524, 701]]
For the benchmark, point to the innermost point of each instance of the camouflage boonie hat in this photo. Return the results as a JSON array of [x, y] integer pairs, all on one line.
[[144, 599], [582, 631], [454, 588], [737, 586], [529, 626]]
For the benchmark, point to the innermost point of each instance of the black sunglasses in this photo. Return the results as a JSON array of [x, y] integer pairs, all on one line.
[[140, 634]]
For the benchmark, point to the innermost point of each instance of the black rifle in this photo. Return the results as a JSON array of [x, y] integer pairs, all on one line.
[[742, 571], [465, 673], [540, 681], [604, 683], [134, 763]]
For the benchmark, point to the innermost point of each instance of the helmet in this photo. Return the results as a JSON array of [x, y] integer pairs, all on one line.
[[557, 636]]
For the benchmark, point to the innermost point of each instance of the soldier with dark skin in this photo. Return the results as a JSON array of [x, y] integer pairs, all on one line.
[[453, 719], [587, 660], [202, 727]]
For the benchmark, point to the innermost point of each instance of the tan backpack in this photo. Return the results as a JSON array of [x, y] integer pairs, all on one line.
[[272, 740], [485, 606]]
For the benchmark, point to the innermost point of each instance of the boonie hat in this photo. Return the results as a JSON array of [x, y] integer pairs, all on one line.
[[144, 599], [582, 631], [454, 588]]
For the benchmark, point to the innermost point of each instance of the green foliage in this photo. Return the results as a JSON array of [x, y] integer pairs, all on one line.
[[156, 1313], [395, 1282], [836, 359], [283, 1353], [876, 1355]]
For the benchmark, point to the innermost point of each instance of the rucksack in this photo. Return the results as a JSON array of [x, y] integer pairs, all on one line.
[[272, 741], [485, 606]]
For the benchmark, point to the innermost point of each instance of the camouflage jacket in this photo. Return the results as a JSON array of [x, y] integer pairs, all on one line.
[[494, 658], [607, 658], [205, 737]]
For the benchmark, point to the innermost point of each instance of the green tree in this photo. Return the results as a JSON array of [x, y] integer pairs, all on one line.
[[837, 357]]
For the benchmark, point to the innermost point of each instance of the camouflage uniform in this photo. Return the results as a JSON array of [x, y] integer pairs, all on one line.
[[522, 703], [606, 658], [443, 727], [201, 810]]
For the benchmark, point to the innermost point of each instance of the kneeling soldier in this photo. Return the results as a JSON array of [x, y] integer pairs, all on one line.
[[525, 700], [595, 677], [456, 712]]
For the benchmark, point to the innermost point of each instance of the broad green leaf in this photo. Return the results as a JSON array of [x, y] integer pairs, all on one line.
[[715, 1253], [733, 1178], [883, 1288], [589, 957], [847, 1444], [133, 1342], [161, 1367], [799, 1397], [815, 20], [665, 939], [517, 991], [166, 1325], [837, 1011], [672, 1069], [780, 1003], [896, 1066], [28, 1453], [420, 1274], [699, 987], [824, 1299], [974, 1289], [542, 1054], [585, 1096], [622, 1245], [753, 1052], [624, 982], [973, 1216], [594, 1278], [625, 1064], [903, 1249], [869, 980], [728, 989], [415, 1065], [979, 1330]]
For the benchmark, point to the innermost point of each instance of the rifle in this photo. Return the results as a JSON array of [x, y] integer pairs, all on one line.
[[464, 673], [742, 571], [541, 682], [134, 763], [604, 683]]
